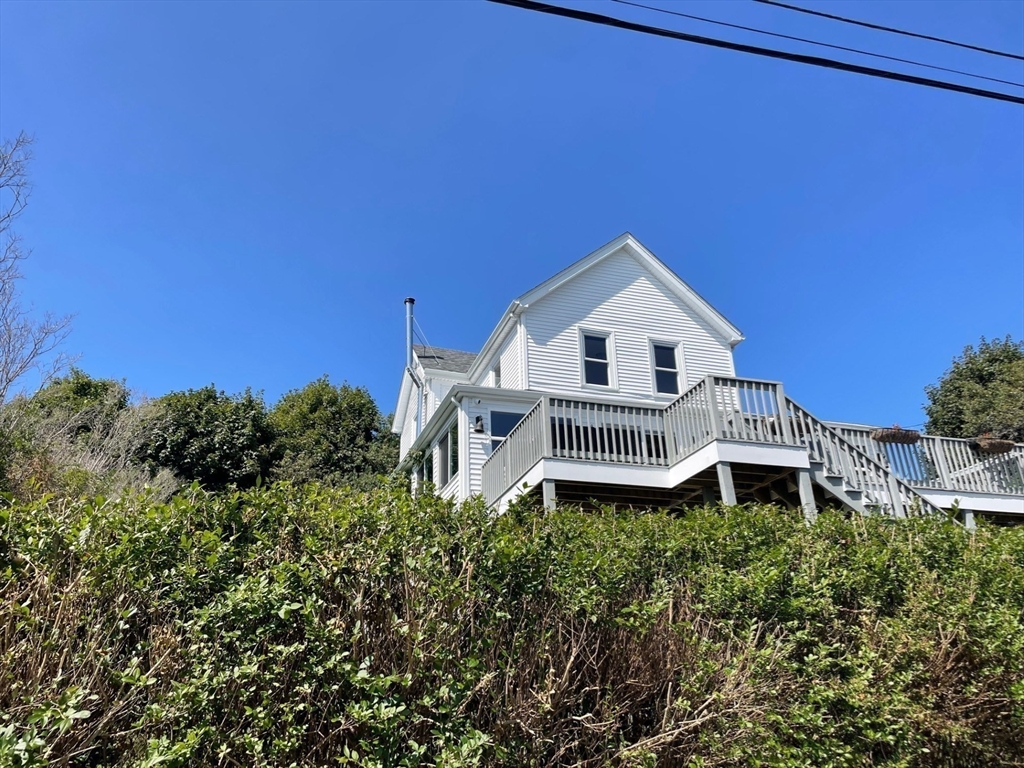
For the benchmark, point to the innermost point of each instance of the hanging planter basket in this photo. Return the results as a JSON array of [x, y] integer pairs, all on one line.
[[895, 434], [992, 445]]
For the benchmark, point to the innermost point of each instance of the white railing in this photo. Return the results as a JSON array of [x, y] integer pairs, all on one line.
[[595, 430], [944, 463], [516, 454], [751, 410], [747, 410], [880, 488]]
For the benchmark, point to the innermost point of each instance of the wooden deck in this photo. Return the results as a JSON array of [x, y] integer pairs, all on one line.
[[728, 413]]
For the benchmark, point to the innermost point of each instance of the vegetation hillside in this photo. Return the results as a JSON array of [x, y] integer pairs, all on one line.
[[317, 627]]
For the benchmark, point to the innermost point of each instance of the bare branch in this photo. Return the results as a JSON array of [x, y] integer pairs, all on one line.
[[27, 344]]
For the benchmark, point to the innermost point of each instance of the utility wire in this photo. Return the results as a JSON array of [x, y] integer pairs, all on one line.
[[777, 4], [817, 61], [815, 42]]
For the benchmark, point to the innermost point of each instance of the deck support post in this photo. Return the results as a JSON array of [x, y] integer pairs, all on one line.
[[709, 495], [547, 488], [969, 523], [806, 491], [728, 490]]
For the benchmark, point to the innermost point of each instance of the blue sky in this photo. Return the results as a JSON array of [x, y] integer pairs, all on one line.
[[243, 193]]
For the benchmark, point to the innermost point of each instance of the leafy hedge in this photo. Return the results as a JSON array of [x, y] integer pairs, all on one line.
[[288, 626]]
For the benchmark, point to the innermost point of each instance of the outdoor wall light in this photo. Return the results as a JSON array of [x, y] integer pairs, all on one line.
[[478, 424]]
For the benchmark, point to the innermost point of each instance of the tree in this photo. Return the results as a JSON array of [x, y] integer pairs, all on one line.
[[89, 405], [76, 436], [983, 392], [26, 343], [209, 436], [332, 434]]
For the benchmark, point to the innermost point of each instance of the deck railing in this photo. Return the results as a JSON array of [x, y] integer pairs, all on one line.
[[598, 430], [513, 457], [746, 410], [617, 433], [944, 463], [860, 471]]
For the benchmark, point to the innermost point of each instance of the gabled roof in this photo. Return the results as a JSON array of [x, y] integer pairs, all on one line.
[[624, 243], [629, 244], [439, 359]]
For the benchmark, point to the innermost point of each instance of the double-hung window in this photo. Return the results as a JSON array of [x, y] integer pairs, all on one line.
[[595, 360], [666, 369], [502, 423]]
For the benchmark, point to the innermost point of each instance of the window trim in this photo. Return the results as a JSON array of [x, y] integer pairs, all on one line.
[[445, 462], [680, 366], [490, 427], [613, 379]]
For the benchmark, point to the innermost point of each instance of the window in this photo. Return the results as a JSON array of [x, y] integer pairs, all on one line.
[[501, 424], [448, 456], [428, 467], [595, 360], [666, 369]]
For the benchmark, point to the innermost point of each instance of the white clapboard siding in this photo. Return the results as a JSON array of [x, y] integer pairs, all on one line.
[[620, 296], [511, 357], [479, 448], [437, 389]]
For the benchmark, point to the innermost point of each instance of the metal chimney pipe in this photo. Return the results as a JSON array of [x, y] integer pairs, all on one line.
[[408, 332]]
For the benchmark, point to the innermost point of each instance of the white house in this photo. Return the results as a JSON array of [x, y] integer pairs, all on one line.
[[614, 382]]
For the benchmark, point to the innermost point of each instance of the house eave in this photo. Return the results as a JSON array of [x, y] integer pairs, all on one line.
[[495, 340], [450, 404]]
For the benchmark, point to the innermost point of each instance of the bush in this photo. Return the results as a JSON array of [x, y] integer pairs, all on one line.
[[333, 435], [78, 435], [210, 437], [317, 627]]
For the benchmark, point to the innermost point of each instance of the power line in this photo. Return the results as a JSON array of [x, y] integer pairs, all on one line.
[[817, 61], [816, 42], [777, 4]]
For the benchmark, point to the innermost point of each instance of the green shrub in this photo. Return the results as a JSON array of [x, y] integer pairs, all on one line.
[[314, 627]]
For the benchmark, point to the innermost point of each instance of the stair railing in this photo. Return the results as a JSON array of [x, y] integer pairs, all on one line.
[[880, 487]]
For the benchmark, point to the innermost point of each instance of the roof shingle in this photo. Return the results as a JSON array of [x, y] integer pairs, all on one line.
[[440, 359]]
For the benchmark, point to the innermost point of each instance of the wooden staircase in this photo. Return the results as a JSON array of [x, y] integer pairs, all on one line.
[[850, 475]]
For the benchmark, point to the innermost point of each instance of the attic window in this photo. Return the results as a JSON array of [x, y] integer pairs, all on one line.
[[595, 360]]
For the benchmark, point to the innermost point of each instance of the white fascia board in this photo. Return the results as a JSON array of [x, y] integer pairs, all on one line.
[[495, 341], [439, 373], [556, 281], [685, 293], [975, 502], [629, 244]]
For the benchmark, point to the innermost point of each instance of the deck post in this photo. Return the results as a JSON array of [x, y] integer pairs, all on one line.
[[709, 495], [969, 523], [728, 490], [547, 488], [806, 490], [717, 428], [895, 499], [787, 431], [549, 427]]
